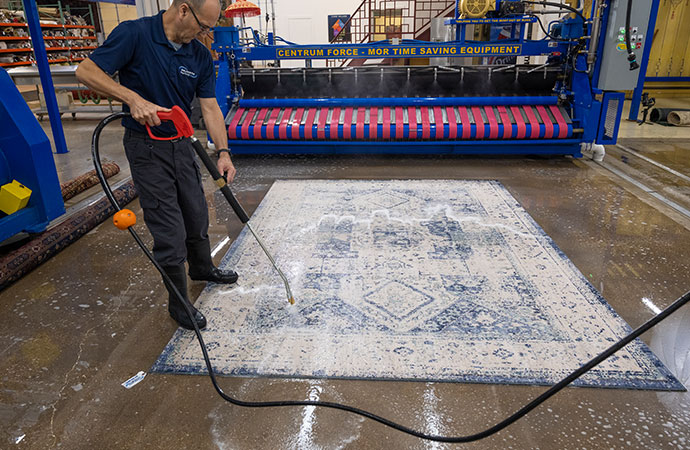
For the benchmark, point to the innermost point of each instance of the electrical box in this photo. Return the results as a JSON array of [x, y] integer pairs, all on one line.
[[615, 72], [13, 197]]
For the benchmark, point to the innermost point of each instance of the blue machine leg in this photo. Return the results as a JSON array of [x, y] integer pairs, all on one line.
[[223, 85], [31, 12], [637, 93], [26, 156]]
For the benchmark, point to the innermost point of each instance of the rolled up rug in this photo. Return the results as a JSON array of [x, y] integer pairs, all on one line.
[[83, 182], [679, 118], [660, 115]]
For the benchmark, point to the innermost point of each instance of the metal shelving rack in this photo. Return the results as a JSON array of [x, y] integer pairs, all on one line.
[[64, 27]]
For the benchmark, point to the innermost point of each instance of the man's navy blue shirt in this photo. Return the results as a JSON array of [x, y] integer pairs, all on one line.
[[149, 65]]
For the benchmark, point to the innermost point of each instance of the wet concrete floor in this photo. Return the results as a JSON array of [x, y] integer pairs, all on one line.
[[91, 317]]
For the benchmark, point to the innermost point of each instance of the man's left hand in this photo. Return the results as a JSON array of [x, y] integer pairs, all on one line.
[[226, 168]]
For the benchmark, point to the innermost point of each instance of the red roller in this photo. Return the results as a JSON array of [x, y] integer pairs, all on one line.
[[347, 124], [259, 123], [373, 123], [528, 122], [505, 119], [386, 123], [309, 124], [270, 127], [493, 122], [359, 128], [533, 122], [282, 128], [548, 124], [438, 116], [294, 130], [321, 127], [412, 118], [479, 121], [562, 124], [244, 132], [465, 122], [521, 127], [333, 132], [426, 125], [398, 122], [452, 123], [232, 129]]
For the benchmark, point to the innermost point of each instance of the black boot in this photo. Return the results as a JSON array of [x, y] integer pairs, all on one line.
[[201, 266], [175, 308]]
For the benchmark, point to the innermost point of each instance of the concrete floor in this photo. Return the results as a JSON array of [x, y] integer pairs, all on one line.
[[94, 315]]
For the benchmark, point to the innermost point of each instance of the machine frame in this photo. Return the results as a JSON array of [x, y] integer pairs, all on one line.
[[595, 113]]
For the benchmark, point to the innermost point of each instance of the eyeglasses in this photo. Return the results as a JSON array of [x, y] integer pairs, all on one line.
[[203, 28]]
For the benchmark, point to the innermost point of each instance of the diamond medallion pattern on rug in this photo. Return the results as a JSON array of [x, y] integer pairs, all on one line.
[[387, 200], [408, 280], [396, 305]]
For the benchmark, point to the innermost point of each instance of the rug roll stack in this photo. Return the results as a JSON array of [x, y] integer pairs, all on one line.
[[85, 181], [679, 118], [44, 245]]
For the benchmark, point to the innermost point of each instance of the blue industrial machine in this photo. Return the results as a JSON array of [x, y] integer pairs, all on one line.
[[570, 103], [26, 156]]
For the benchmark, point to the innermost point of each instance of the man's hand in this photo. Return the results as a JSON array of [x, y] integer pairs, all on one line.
[[226, 168], [145, 112], [142, 111]]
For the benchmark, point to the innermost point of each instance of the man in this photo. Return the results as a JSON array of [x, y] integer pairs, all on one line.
[[161, 64]]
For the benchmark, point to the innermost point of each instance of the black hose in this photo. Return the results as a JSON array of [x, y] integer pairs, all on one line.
[[557, 5], [95, 155], [351, 409], [561, 6], [631, 55], [546, 32]]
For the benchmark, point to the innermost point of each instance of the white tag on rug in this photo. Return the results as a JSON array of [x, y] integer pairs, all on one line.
[[134, 380]]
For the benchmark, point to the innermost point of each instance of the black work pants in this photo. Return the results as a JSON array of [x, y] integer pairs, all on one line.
[[167, 178]]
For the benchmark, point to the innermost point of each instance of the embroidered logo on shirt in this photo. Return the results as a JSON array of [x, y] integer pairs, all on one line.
[[186, 72]]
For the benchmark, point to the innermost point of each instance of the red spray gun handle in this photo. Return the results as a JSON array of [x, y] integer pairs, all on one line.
[[182, 124]]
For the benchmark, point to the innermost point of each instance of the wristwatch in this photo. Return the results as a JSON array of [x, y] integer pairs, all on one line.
[[218, 152]]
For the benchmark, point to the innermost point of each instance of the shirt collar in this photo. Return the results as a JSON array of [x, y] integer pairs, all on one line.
[[160, 37]]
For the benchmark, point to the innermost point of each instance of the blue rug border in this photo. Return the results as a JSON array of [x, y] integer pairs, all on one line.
[[671, 384], [200, 369]]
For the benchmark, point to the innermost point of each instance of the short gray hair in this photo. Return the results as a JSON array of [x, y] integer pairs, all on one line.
[[195, 4]]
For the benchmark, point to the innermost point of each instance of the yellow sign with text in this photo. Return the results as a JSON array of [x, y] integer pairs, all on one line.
[[397, 51]]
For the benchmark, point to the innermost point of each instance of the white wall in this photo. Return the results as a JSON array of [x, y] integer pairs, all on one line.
[[302, 21], [151, 7], [112, 14], [298, 21]]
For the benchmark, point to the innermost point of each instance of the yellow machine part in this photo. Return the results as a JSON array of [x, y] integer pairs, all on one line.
[[473, 9], [13, 197]]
